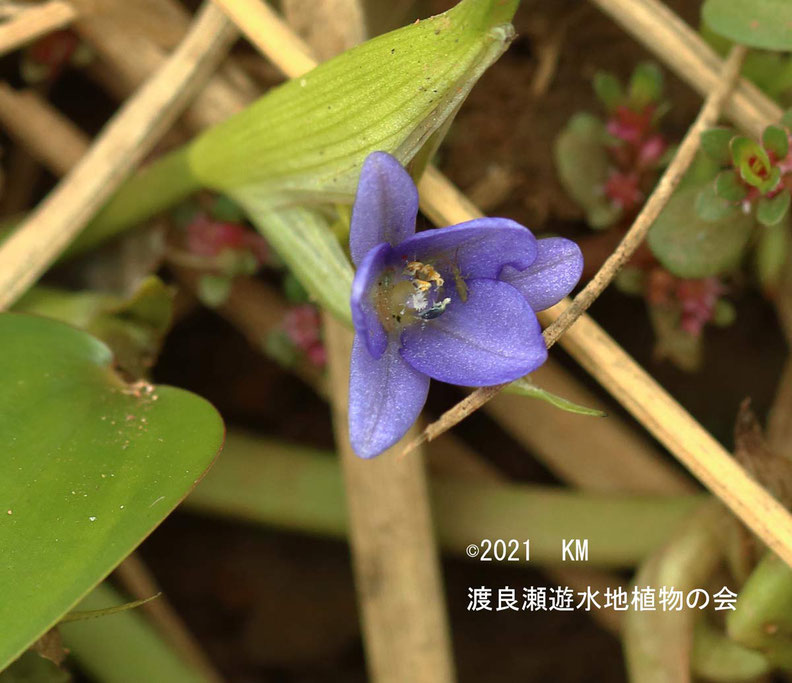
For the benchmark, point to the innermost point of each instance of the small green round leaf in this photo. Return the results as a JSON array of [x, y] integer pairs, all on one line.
[[775, 140], [646, 84], [771, 211], [691, 247], [583, 166], [715, 143], [89, 465], [711, 207], [765, 24], [608, 89], [729, 187]]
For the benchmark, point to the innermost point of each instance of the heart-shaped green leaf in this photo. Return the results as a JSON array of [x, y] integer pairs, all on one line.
[[765, 24], [691, 247], [583, 167], [89, 465]]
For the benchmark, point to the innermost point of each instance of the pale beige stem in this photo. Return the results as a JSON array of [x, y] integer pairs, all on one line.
[[33, 22], [129, 57], [50, 137], [124, 142], [397, 572]]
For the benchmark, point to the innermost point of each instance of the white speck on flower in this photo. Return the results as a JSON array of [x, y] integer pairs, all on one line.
[[417, 301]]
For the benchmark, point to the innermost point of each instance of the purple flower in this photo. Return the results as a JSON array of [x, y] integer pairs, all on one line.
[[455, 304]]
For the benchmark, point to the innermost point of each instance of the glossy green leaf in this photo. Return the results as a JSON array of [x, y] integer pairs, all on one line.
[[691, 247], [776, 140], [583, 167], [765, 24], [608, 89], [729, 186], [307, 139], [715, 143], [711, 207], [525, 387], [646, 85], [89, 465], [770, 211]]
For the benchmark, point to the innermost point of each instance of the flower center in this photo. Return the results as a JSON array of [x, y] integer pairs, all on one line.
[[412, 295]]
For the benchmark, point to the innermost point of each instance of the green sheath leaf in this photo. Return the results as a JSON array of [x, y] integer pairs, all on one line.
[[307, 139]]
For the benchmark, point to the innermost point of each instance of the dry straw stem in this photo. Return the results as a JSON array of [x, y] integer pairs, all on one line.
[[397, 572], [123, 143], [33, 22], [26, 116], [128, 56], [682, 49], [630, 242]]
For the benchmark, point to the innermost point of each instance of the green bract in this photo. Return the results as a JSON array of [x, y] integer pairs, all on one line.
[[90, 466], [758, 23], [525, 387]]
